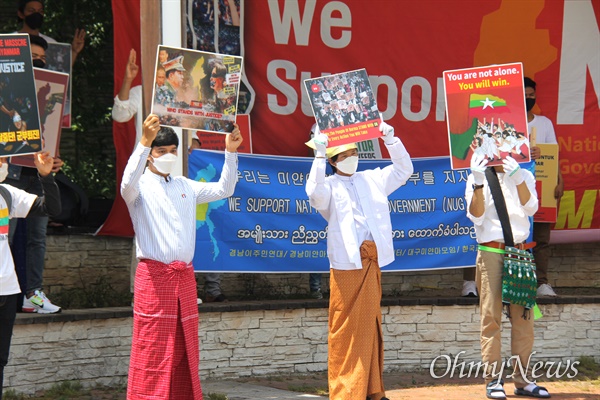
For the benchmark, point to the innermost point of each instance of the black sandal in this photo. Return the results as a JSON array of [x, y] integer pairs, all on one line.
[[534, 393], [495, 386]]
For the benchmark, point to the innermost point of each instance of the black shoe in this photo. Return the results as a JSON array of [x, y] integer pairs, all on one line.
[[215, 299]]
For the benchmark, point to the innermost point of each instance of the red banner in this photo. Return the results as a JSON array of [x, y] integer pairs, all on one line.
[[405, 46], [126, 22]]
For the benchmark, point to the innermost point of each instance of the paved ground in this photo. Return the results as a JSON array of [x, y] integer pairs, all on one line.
[[400, 386]]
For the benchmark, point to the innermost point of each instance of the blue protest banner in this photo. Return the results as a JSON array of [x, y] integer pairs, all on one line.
[[269, 226]]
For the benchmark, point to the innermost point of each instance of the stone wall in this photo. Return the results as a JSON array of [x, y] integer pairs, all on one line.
[[80, 260], [253, 339]]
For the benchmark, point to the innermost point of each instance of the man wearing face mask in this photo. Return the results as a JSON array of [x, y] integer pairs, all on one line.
[[25, 178], [16, 203], [359, 242], [31, 12], [165, 312], [544, 133]]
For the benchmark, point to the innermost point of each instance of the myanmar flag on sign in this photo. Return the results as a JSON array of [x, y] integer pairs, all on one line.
[[482, 105]]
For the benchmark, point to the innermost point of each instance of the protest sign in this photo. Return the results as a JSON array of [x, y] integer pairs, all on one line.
[[58, 58], [344, 107], [196, 89], [485, 108], [51, 89], [216, 141], [19, 120], [546, 178]]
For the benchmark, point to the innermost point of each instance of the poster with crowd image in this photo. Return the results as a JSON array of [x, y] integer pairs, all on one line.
[[196, 89], [486, 114], [58, 58], [344, 107], [19, 120], [214, 26], [51, 87]]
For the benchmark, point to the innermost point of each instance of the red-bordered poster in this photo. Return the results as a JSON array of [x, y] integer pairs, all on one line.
[[486, 114], [344, 107]]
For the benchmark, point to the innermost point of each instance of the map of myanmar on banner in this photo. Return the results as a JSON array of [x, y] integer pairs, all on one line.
[[269, 226]]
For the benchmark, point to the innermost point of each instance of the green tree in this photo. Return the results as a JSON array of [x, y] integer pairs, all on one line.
[[87, 148]]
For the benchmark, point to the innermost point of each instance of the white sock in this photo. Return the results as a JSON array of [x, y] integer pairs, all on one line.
[[531, 386]]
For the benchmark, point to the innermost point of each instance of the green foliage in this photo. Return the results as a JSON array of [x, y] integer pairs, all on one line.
[[10, 394], [217, 396], [588, 366], [87, 148], [93, 295], [66, 389]]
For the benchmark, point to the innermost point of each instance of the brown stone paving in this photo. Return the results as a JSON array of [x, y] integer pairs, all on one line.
[[420, 385]]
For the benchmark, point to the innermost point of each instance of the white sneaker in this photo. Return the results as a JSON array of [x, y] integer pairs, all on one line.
[[545, 290], [198, 300], [469, 289], [39, 303]]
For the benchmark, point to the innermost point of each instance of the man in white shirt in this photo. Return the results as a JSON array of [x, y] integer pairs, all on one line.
[[544, 133], [518, 189], [359, 242], [16, 203], [163, 212]]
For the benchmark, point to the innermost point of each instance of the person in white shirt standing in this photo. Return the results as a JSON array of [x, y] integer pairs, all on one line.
[[359, 242], [544, 133], [518, 189], [165, 350], [16, 203]]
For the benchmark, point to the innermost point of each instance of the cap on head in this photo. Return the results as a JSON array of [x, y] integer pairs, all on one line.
[[332, 151], [174, 64]]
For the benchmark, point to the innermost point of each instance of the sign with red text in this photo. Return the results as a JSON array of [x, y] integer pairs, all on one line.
[[196, 89], [344, 107], [52, 91], [486, 114], [19, 119]]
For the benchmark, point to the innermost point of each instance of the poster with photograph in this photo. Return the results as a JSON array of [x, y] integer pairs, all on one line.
[[19, 120], [58, 58], [216, 141], [51, 89], [196, 90], [344, 107], [486, 114]]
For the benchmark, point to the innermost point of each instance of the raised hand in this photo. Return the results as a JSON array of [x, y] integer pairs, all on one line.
[[234, 139], [512, 170], [478, 166], [131, 70], [150, 128], [78, 41], [43, 162]]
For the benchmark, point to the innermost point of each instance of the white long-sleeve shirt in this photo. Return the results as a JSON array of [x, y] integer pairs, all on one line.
[[124, 110], [164, 212], [487, 226], [331, 197]]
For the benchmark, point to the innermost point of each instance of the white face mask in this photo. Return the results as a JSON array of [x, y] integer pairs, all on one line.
[[3, 172], [165, 164], [348, 165]]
